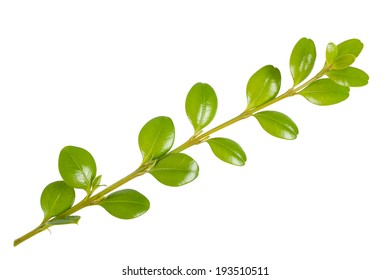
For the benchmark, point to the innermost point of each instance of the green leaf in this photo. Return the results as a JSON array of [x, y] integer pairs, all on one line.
[[77, 167], [263, 86], [344, 61], [325, 92], [302, 60], [201, 105], [331, 53], [349, 77], [175, 170], [96, 182], [56, 198], [64, 221], [277, 124], [351, 46], [125, 204], [156, 138], [227, 150]]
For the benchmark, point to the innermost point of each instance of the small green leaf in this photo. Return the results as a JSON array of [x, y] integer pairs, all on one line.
[[325, 92], [77, 167], [175, 170], [125, 204], [156, 138], [263, 86], [349, 77], [96, 182], [201, 105], [344, 61], [331, 53], [64, 221], [302, 60], [277, 124], [228, 150], [351, 46], [56, 198]]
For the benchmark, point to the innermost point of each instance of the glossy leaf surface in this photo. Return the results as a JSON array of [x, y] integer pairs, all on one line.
[[325, 92], [351, 46], [344, 61], [331, 53], [156, 138], [263, 86], [349, 77], [201, 105], [77, 167], [277, 124], [302, 60], [64, 221], [175, 170], [228, 150], [56, 198], [125, 204]]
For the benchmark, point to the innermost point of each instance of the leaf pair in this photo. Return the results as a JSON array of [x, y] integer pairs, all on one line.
[[201, 107], [264, 85], [155, 140], [78, 170]]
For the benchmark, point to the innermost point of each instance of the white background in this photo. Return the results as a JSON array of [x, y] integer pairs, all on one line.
[[91, 73]]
